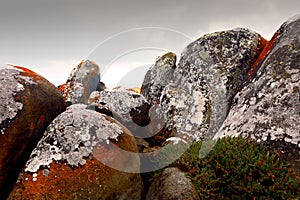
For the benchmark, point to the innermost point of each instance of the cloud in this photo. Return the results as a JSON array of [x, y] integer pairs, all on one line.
[[222, 25], [42, 35], [263, 17], [127, 73], [56, 71]]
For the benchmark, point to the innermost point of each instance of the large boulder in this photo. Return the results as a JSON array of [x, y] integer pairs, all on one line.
[[211, 70], [268, 109], [129, 108], [74, 160], [28, 103], [83, 80], [157, 77], [171, 184]]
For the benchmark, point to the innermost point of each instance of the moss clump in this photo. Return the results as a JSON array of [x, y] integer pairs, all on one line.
[[238, 168]]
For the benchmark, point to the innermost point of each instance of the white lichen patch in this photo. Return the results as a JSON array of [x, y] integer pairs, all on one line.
[[199, 107], [120, 102], [182, 110], [176, 140], [71, 138], [9, 88]]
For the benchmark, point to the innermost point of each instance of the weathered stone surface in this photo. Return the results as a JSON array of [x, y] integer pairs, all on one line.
[[168, 117], [129, 108], [268, 109], [83, 80], [158, 76], [172, 184], [68, 161], [28, 103], [211, 70]]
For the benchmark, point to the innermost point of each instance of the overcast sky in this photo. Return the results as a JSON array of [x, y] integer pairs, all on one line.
[[52, 36]]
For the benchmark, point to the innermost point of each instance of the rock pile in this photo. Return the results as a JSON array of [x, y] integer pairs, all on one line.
[[226, 83]]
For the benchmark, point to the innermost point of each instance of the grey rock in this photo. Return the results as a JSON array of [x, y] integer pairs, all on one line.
[[211, 69], [129, 108], [101, 86], [172, 184], [268, 109], [83, 80], [9, 106], [158, 76]]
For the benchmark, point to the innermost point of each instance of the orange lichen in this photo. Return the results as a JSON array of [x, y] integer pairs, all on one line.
[[116, 88], [25, 69], [62, 181], [29, 73], [56, 184], [268, 45], [62, 88]]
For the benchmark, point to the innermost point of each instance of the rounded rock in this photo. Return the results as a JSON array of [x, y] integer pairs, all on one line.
[[158, 76], [28, 103], [172, 184], [83, 80], [74, 158]]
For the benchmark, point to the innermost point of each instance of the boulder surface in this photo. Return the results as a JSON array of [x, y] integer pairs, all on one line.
[[172, 184], [28, 104], [211, 70], [83, 80], [268, 109], [74, 159]]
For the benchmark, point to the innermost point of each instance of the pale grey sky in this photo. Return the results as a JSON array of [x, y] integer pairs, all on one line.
[[52, 36]]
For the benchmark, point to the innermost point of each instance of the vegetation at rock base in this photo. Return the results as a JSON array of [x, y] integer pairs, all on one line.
[[239, 168]]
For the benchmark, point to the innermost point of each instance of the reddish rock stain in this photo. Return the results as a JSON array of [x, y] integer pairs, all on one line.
[[40, 121], [62, 88], [267, 47], [28, 73]]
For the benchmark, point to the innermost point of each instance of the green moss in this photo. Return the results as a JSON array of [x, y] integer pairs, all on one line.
[[238, 168], [170, 57]]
